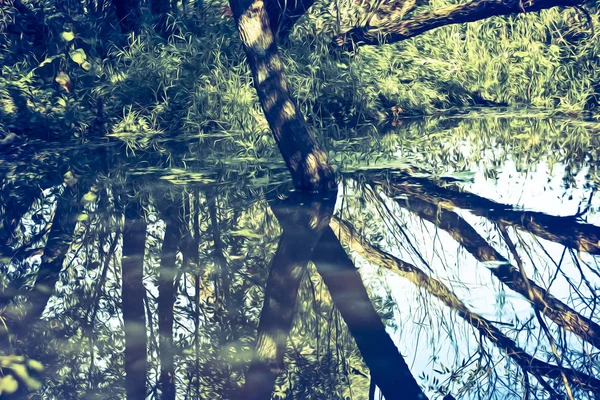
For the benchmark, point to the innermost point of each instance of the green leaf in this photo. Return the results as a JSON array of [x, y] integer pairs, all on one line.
[[90, 196], [8, 385], [78, 56], [35, 365], [67, 36], [48, 61]]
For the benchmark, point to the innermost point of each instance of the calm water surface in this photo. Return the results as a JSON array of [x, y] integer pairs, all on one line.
[[459, 256]]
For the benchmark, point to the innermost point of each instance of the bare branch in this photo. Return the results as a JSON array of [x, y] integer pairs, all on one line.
[[538, 368]]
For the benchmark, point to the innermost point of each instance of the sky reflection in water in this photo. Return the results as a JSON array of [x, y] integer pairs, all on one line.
[[137, 278]]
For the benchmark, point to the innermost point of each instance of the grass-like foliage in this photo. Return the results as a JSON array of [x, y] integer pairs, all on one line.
[[69, 71]]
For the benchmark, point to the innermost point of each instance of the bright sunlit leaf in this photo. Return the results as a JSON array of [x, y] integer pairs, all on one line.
[[78, 56]]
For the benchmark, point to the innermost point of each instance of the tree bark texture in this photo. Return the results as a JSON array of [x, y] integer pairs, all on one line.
[[305, 159]]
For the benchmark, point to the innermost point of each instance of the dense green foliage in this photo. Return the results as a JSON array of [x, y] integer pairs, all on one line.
[[69, 71]]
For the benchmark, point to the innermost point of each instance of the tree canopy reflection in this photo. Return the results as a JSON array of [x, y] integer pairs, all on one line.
[[137, 278]]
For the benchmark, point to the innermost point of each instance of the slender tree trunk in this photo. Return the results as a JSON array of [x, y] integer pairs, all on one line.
[[464, 234], [348, 235], [134, 239], [166, 302], [303, 156], [302, 226], [195, 256], [476, 10], [220, 260], [389, 371]]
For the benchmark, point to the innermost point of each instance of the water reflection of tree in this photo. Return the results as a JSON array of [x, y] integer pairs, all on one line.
[[179, 279], [528, 363], [477, 246], [387, 367], [462, 232]]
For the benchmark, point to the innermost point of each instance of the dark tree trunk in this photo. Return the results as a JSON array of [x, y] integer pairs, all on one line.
[[453, 14], [463, 233], [220, 260], [529, 364], [302, 226], [284, 14], [303, 156], [160, 9], [389, 371], [128, 13], [134, 240], [166, 302]]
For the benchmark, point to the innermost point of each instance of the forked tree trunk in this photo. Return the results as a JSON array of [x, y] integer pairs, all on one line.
[[302, 226], [303, 156]]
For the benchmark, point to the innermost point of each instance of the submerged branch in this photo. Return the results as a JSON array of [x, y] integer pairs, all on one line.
[[348, 235], [463, 233]]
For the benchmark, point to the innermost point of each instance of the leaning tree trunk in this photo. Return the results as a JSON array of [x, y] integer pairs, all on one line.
[[306, 161], [566, 230], [347, 234], [388, 367], [397, 31], [461, 231]]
